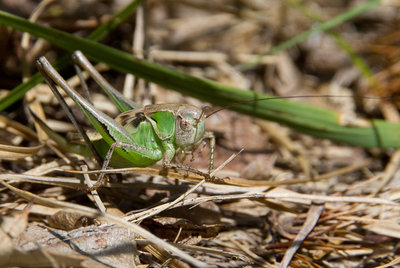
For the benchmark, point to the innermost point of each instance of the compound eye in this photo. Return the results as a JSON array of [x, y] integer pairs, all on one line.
[[184, 124]]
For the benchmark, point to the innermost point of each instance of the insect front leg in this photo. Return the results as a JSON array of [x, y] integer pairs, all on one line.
[[169, 165], [169, 154], [128, 148], [211, 137]]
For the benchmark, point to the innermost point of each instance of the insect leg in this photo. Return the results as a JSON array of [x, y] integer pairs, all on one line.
[[169, 153], [50, 76], [109, 129], [211, 137], [121, 145], [169, 165]]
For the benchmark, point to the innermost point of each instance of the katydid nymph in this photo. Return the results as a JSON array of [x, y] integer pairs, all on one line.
[[137, 137]]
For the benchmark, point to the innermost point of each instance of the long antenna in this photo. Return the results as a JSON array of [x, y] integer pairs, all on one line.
[[295, 97]]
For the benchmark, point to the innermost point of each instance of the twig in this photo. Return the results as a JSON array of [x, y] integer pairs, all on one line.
[[312, 218], [90, 212], [93, 191], [160, 208]]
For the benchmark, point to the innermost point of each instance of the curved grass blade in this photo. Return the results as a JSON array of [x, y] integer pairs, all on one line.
[[319, 28], [307, 119], [19, 91], [357, 60]]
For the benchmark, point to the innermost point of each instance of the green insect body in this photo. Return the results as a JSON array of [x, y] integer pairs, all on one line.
[[137, 137], [171, 126], [165, 129]]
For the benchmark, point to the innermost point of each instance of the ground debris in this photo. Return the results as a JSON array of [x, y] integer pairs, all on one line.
[[288, 199]]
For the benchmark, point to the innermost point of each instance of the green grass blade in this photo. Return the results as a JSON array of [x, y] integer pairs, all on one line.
[[308, 119], [357, 60], [319, 28], [19, 91], [113, 23]]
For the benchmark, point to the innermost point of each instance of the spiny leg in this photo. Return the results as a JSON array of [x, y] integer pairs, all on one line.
[[50, 75], [170, 154], [166, 164], [211, 137], [167, 160], [105, 125], [186, 168], [109, 129], [107, 159]]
